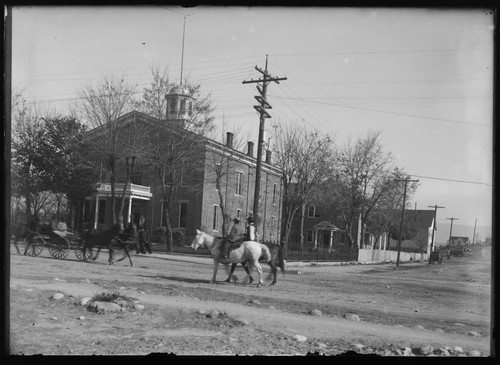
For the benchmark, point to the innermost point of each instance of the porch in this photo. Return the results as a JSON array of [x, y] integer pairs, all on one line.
[[97, 214]]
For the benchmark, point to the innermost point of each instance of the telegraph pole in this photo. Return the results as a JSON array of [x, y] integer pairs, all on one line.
[[435, 223], [451, 227], [474, 234], [261, 108], [406, 180]]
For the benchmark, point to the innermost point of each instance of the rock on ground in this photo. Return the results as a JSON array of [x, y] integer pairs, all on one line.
[[57, 296], [105, 307], [352, 317]]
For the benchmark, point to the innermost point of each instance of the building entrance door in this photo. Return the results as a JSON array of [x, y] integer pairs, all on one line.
[[326, 239]]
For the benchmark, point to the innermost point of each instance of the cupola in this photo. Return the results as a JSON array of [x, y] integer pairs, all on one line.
[[179, 103]]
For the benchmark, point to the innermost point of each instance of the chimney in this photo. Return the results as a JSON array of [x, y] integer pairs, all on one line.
[[229, 141], [250, 149], [268, 157]]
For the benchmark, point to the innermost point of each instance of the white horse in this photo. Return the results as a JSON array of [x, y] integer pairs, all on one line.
[[248, 251]]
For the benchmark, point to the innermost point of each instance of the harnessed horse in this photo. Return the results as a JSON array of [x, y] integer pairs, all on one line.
[[111, 240]]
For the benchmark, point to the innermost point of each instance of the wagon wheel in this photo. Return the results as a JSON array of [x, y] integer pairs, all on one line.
[[58, 252], [80, 256], [34, 243], [33, 248]]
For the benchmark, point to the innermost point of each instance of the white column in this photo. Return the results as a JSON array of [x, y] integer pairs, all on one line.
[[315, 238], [96, 210], [359, 232], [331, 239], [129, 209]]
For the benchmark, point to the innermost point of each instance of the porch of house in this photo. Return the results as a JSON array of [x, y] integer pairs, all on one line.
[[325, 242], [97, 207]]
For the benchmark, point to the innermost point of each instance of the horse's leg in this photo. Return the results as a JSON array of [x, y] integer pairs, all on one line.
[[97, 253], [274, 270], [259, 270], [247, 270], [233, 266], [84, 251], [111, 254], [128, 255], [28, 240], [216, 266], [15, 244], [26, 247]]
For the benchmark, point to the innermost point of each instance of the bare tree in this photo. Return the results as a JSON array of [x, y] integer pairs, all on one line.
[[384, 216], [174, 152], [153, 102], [219, 166], [305, 159], [100, 107], [364, 178], [175, 156]]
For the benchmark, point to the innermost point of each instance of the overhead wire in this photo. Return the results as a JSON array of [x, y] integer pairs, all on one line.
[[236, 75], [399, 132], [452, 180]]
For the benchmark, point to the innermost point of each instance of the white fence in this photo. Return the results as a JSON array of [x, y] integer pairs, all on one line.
[[377, 256]]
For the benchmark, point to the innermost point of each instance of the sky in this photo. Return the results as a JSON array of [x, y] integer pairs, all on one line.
[[422, 77]]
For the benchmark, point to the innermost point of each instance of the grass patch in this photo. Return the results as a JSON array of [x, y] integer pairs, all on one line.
[[110, 297]]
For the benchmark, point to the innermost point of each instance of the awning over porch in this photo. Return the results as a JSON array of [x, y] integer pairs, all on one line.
[[133, 191], [325, 226]]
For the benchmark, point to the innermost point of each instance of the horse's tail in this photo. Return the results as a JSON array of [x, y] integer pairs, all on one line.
[[278, 256], [265, 256]]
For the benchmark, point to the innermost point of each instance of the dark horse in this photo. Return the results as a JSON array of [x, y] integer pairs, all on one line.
[[113, 239], [275, 262], [27, 233], [22, 232]]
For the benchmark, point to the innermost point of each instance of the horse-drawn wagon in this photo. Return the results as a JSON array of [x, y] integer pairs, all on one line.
[[58, 243], [439, 254]]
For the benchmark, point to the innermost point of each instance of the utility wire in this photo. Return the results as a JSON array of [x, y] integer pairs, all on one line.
[[379, 52], [396, 113], [175, 11], [452, 180], [361, 109]]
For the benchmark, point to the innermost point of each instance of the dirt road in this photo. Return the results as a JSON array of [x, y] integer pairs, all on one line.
[[370, 309]]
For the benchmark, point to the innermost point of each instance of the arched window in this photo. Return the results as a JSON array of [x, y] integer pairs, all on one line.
[[173, 106], [183, 106]]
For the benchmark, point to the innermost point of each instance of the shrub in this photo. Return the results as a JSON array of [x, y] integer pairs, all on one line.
[[109, 297]]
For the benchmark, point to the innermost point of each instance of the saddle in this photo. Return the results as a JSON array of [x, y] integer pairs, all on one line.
[[235, 245]]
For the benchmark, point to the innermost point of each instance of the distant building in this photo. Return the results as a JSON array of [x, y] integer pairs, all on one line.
[[419, 231], [320, 229], [458, 241]]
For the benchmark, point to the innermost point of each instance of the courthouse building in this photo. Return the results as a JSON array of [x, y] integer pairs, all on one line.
[[197, 203]]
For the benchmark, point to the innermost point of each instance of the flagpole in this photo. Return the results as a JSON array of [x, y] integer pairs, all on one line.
[[182, 56]]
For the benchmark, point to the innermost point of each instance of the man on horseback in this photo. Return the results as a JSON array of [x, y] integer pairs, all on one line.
[[235, 236]]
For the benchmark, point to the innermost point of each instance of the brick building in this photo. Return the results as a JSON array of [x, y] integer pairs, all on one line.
[[197, 202]]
